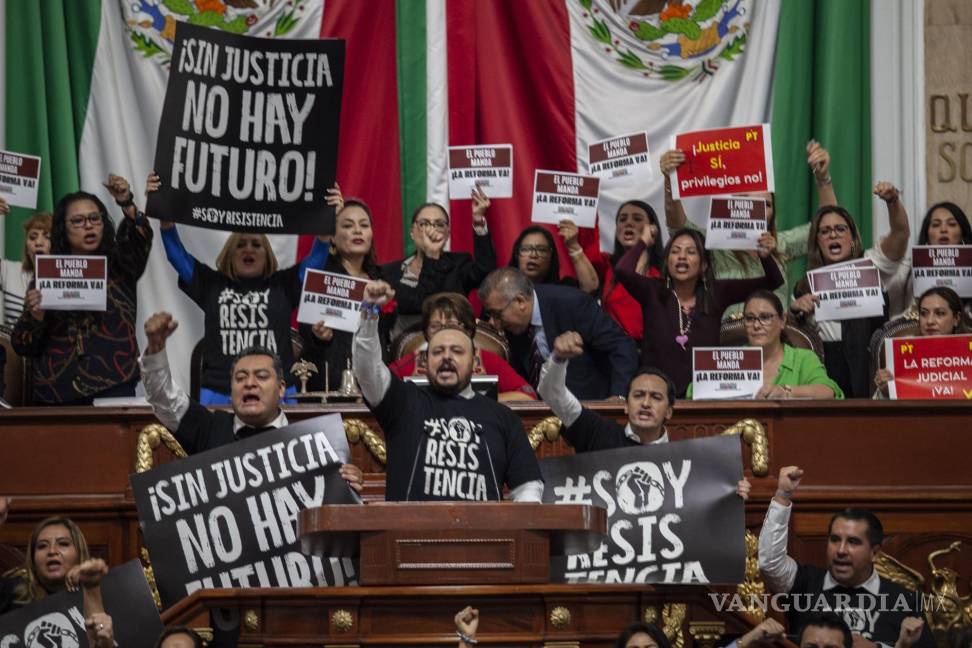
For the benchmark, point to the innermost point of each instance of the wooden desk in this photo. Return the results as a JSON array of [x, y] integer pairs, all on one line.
[[907, 461]]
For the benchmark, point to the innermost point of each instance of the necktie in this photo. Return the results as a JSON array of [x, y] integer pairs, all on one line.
[[247, 431], [537, 357]]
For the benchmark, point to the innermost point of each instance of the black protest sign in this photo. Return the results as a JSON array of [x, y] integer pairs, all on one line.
[[673, 512], [59, 620], [228, 517], [248, 138]]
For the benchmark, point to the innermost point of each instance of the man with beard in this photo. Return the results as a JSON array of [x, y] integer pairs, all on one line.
[[878, 611], [445, 443], [648, 404]]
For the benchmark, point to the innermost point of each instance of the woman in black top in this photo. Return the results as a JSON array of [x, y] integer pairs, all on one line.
[[535, 254], [56, 545], [81, 355]]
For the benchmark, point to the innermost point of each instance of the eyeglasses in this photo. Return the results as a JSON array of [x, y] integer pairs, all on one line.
[[840, 230], [80, 220], [539, 250], [492, 315], [435, 327], [765, 319], [438, 226]]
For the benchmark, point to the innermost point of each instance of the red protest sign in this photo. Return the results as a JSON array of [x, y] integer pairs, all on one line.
[[724, 160], [938, 367]]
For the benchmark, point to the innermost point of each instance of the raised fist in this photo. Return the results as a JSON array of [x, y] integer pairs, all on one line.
[[158, 328]]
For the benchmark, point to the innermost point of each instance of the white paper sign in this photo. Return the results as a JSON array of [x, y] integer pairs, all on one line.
[[19, 177], [72, 282], [489, 166], [558, 195], [942, 265], [621, 160], [334, 298], [847, 291], [735, 223], [726, 372]]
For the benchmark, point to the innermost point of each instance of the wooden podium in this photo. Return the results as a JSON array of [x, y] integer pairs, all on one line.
[[452, 543]]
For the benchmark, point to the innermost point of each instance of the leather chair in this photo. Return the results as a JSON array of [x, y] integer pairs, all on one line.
[[733, 333], [411, 340]]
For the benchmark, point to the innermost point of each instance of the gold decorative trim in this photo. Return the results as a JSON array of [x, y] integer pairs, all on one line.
[[358, 431], [342, 620], [752, 588], [206, 634], [706, 633], [150, 578], [650, 615], [561, 644], [149, 439], [548, 428], [752, 432], [673, 617], [251, 621], [892, 569], [560, 617]]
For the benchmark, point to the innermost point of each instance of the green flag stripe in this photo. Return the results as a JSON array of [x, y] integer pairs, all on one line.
[[412, 85], [821, 90], [50, 52]]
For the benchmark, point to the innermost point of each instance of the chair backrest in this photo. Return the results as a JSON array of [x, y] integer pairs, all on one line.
[[904, 326], [488, 338], [196, 363], [16, 373], [733, 333]]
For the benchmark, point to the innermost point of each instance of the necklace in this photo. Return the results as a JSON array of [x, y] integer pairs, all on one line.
[[684, 323]]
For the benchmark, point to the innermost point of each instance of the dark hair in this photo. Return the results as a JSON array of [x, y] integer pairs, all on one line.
[[655, 251], [814, 255], [508, 282], [449, 304], [959, 215], [704, 301], [875, 530], [830, 621], [261, 351], [177, 630], [960, 637], [452, 327], [59, 241], [370, 265], [553, 272], [952, 299], [429, 204], [652, 371], [647, 628], [774, 301]]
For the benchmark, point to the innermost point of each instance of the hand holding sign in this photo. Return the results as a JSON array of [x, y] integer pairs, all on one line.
[[158, 328], [568, 231], [743, 486], [32, 302], [480, 205], [100, 631], [353, 475], [881, 379], [4, 207], [671, 160], [568, 345], [766, 245], [804, 305], [322, 332], [4, 508]]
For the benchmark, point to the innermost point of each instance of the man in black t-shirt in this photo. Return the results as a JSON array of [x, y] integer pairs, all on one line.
[[256, 387], [878, 611], [447, 442]]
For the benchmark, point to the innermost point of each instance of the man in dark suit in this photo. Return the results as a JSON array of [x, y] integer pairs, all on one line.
[[257, 384], [534, 316]]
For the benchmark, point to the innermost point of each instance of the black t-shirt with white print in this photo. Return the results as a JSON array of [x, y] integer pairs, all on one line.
[[877, 618], [451, 448], [241, 313]]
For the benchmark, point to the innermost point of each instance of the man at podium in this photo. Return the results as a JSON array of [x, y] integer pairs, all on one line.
[[445, 443]]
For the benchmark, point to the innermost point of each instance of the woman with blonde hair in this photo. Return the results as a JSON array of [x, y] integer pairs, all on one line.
[[247, 300], [56, 546], [16, 275]]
